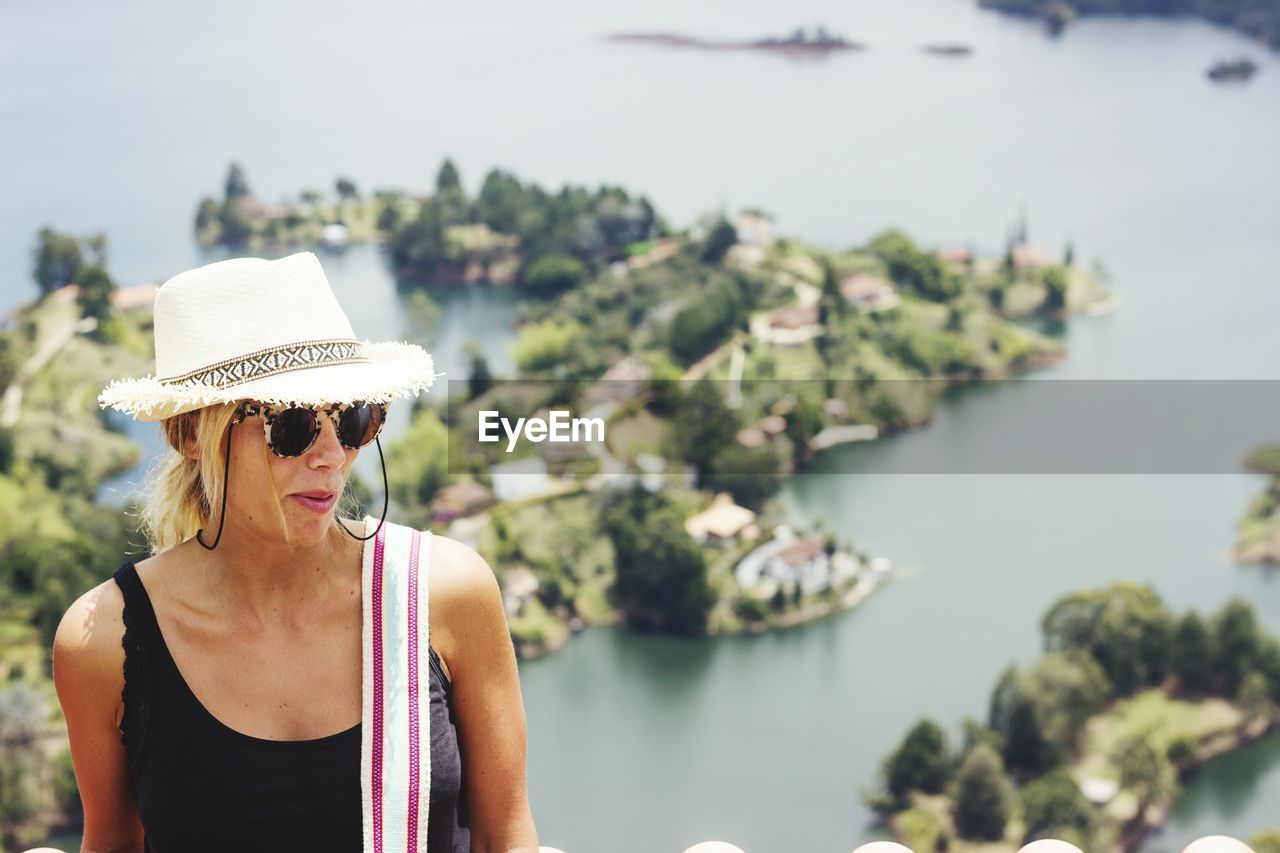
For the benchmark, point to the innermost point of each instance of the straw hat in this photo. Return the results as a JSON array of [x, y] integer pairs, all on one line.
[[268, 330]]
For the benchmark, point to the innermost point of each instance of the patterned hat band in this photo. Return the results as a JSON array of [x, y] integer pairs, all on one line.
[[269, 362]]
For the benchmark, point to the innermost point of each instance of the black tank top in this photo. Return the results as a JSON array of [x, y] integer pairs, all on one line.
[[203, 786]]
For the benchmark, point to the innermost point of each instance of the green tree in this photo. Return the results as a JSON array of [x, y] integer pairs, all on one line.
[[719, 241], [389, 202], [551, 275], [804, 421], [480, 379], [922, 272], [661, 582], [921, 763], [1053, 803], [1143, 770], [206, 213], [1192, 655], [236, 185], [503, 203], [237, 227], [96, 288], [707, 318], [1237, 642], [749, 474], [447, 178], [346, 189], [1056, 283], [1125, 627], [1254, 696], [983, 796], [703, 424], [58, 260], [543, 346], [1016, 718], [1067, 689], [832, 301], [1269, 665]]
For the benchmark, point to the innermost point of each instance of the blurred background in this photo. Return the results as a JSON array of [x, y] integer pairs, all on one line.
[[899, 190]]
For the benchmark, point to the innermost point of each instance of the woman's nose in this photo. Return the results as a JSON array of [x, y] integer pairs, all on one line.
[[327, 446]]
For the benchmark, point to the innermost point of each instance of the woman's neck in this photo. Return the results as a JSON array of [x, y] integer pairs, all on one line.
[[265, 582]]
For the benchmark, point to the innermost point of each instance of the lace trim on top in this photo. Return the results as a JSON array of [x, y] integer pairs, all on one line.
[[136, 694]]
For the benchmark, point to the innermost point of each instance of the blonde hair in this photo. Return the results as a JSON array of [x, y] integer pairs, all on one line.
[[180, 493]]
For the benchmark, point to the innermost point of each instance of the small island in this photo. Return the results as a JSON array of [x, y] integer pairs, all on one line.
[[1090, 743], [948, 49], [1232, 71], [1257, 19], [817, 42]]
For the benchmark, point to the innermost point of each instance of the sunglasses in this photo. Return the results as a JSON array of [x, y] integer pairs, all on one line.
[[291, 430]]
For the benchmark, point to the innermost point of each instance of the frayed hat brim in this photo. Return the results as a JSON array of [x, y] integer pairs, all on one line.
[[394, 369]]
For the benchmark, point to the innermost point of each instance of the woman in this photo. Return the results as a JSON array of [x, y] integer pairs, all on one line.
[[213, 691]]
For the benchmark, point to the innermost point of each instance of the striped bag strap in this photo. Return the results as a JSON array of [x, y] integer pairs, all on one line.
[[395, 746]]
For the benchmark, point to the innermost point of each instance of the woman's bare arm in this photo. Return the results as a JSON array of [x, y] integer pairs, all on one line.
[[88, 672], [485, 697]]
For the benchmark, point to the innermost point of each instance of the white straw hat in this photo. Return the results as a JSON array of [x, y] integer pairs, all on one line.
[[268, 330]]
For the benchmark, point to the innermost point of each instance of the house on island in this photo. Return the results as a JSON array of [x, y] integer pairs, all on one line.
[[753, 230], [755, 235], [1028, 258], [722, 522], [791, 325], [789, 560], [869, 292], [134, 296]]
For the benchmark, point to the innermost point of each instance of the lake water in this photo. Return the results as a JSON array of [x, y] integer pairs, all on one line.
[[119, 117]]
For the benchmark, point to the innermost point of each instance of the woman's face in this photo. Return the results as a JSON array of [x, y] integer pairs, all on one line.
[[309, 485]]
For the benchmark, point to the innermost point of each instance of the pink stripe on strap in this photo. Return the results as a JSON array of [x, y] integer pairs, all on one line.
[[379, 544], [413, 691]]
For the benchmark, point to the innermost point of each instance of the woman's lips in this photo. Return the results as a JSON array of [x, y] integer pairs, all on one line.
[[316, 504]]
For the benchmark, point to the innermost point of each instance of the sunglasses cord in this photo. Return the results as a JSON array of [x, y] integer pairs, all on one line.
[[385, 497], [226, 473]]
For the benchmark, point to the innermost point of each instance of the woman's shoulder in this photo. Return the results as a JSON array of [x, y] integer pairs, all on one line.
[[457, 569], [464, 593], [88, 653]]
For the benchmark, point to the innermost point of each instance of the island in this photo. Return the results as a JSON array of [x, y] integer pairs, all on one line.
[[801, 43], [948, 49], [1232, 71], [1258, 19], [1089, 744]]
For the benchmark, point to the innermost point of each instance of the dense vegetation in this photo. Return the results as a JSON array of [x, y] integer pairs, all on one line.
[[1126, 691], [55, 541], [1259, 19]]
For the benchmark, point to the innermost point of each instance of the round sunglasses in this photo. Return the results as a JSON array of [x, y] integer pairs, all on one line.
[[291, 430]]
